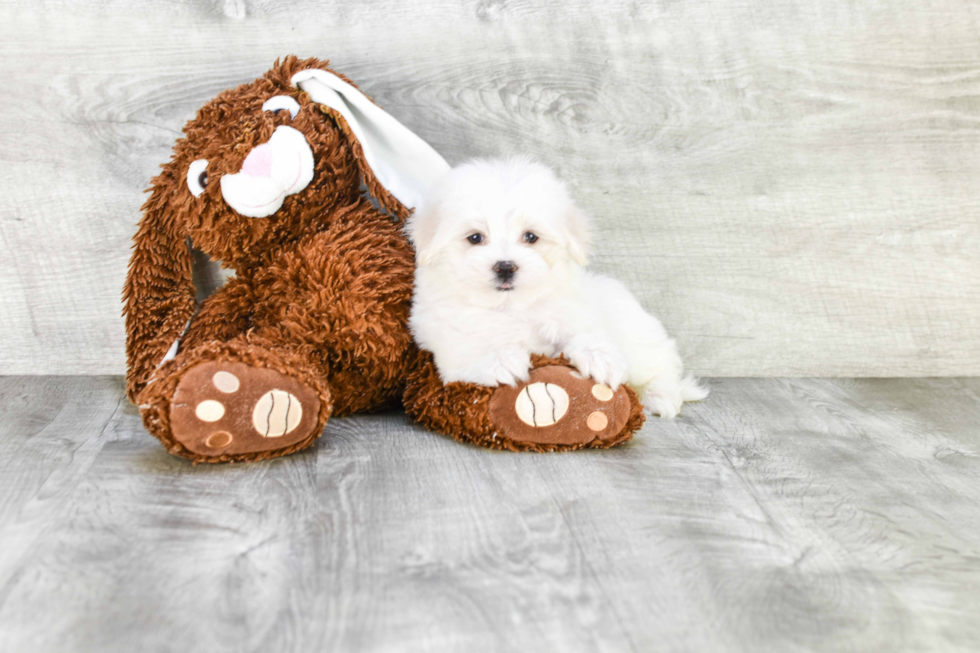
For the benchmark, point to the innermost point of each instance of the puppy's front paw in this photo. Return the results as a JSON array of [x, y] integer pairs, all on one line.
[[507, 367], [510, 367], [599, 360]]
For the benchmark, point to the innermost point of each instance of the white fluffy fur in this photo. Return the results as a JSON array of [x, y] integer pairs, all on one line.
[[483, 334]]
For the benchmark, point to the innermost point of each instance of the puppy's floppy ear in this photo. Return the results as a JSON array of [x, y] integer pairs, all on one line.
[[422, 229], [397, 166], [578, 234], [159, 291]]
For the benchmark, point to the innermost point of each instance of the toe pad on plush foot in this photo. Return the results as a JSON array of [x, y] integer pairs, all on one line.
[[228, 408], [559, 406]]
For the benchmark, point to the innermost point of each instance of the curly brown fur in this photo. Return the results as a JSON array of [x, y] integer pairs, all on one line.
[[343, 295]]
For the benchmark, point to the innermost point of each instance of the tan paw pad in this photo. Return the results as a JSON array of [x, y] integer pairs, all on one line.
[[602, 392], [219, 440], [209, 410], [541, 404], [597, 421], [226, 382], [276, 413]]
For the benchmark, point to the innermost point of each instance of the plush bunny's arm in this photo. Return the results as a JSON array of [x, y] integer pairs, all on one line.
[[158, 295]]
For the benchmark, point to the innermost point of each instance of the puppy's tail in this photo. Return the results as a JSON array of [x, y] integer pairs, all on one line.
[[691, 390]]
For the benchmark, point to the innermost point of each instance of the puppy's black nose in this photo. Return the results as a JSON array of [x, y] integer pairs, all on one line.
[[504, 269]]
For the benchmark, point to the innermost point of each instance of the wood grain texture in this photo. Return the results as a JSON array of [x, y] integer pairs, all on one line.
[[790, 185], [780, 515]]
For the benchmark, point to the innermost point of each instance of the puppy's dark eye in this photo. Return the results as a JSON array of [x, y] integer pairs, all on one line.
[[475, 239], [202, 179], [530, 238]]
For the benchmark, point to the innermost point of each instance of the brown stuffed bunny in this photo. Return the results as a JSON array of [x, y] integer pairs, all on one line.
[[314, 323]]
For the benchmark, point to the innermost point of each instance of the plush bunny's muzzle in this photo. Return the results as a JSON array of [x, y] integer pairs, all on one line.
[[271, 171]]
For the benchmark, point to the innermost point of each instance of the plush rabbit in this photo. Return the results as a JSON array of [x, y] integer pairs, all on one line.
[[268, 180]]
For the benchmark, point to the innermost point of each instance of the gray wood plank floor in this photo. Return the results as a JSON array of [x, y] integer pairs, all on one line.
[[780, 515]]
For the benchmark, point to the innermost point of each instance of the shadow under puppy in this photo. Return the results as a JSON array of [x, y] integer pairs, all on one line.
[[501, 252]]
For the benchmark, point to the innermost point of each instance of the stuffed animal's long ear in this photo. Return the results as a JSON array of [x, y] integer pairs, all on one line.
[[397, 166], [159, 291]]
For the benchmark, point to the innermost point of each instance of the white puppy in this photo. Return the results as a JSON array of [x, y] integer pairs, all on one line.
[[501, 250]]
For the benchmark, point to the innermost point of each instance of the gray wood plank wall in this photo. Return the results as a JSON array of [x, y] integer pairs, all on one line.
[[790, 184]]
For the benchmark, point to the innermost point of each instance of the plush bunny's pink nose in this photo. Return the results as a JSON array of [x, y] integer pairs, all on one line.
[[258, 163]]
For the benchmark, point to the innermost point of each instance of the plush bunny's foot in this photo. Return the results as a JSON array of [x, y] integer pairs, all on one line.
[[559, 406], [223, 408], [556, 409]]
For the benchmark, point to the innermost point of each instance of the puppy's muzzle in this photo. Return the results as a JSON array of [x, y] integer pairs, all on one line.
[[505, 271]]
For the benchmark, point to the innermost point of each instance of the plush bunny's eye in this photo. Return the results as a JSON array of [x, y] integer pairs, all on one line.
[[197, 177], [280, 103]]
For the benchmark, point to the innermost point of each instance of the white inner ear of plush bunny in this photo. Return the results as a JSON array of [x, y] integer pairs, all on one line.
[[404, 164], [273, 170]]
